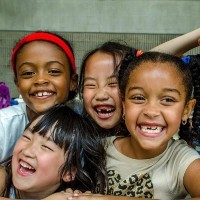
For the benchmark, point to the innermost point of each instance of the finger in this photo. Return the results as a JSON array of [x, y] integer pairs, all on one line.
[[88, 192], [72, 198], [69, 190], [76, 192]]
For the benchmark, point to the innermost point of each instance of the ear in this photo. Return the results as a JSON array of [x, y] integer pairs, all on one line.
[[188, 109], [69, 176], [74, 82]]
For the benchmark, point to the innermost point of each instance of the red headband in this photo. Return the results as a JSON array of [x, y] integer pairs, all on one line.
[[45, 37]]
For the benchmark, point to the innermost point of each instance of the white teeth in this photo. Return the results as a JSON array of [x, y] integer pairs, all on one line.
[[45, 93], [107, 110], [25, 165], [105, 114], [40, 94], [151, 129]]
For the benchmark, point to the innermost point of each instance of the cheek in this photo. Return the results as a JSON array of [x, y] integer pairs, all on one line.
[[18, 147], [87, 95], [46, 163]]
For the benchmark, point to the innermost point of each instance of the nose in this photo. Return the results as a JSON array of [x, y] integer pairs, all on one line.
[[41, 78], [102, 94], [151, 110], [30, 150]]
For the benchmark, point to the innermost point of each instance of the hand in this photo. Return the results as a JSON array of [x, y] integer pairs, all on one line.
[[88, 196], [59, 195]]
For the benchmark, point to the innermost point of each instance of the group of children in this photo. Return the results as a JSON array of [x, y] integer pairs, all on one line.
[[140, 99]]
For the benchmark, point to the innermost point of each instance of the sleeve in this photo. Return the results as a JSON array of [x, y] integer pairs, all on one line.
[[183, 155], [12, 123]]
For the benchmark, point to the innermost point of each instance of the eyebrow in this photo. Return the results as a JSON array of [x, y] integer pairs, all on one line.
[[32, 64], [90, 78], [165, 89]]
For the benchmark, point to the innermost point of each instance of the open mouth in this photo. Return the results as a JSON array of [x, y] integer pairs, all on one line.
[[151, 129], [105, 111], [43, 94], [25, 168]]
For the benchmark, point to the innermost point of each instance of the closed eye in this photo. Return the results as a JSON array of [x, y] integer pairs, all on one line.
[[26, 137], [113, 81], [47, 148], [113, 84], [89, 85]]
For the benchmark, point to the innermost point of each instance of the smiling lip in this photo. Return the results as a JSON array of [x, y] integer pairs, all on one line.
[[42, 94], [104, 111], [25, 169], [151, 131]]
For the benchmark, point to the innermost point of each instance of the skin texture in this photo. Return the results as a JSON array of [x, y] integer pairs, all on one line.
[[154, 99], [101, 91], [43, 76], [35, 165]]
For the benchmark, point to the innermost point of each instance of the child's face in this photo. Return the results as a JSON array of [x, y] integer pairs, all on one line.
[[43, 76], [101, 94], [36, 163], [154, 106]]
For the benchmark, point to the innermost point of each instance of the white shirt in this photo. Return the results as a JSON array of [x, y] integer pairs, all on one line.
[[13, 120]]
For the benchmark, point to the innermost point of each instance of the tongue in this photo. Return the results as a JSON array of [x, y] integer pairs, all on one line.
[[26, 171]]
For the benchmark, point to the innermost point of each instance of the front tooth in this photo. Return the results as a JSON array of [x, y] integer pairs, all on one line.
[[40, 94], [25, 165], [151, 129], [45, 93]]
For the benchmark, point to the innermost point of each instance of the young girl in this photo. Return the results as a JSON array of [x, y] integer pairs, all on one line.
[[157, 96], [58, 149], [98, 84], [45, 74]]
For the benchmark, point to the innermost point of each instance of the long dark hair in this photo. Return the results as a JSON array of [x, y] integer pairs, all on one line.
[[117, 50], [122, 54], [184, 71], [191, 131], [82, 146]]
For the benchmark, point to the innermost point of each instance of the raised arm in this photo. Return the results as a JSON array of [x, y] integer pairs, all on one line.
[[192, 179], [181, 44]]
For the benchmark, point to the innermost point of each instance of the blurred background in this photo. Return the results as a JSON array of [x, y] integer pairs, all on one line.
[[86, 24]]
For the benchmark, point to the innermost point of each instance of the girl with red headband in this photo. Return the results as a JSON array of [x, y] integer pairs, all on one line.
[[45, 74]]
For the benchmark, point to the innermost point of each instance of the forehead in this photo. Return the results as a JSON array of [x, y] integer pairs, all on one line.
[[99, 62], [161, 73], [156, 68]]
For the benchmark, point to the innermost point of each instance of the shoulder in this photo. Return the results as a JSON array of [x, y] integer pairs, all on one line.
[[181, 151], [12, 111]]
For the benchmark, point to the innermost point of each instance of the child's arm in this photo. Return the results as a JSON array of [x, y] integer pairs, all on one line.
[[2, 179], [192, 179], [103, 197], [179, 45]]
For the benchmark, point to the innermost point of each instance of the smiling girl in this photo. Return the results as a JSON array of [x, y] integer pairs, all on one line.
[[56, 151]]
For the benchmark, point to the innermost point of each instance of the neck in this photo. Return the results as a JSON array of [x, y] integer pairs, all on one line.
[[30, 113]]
